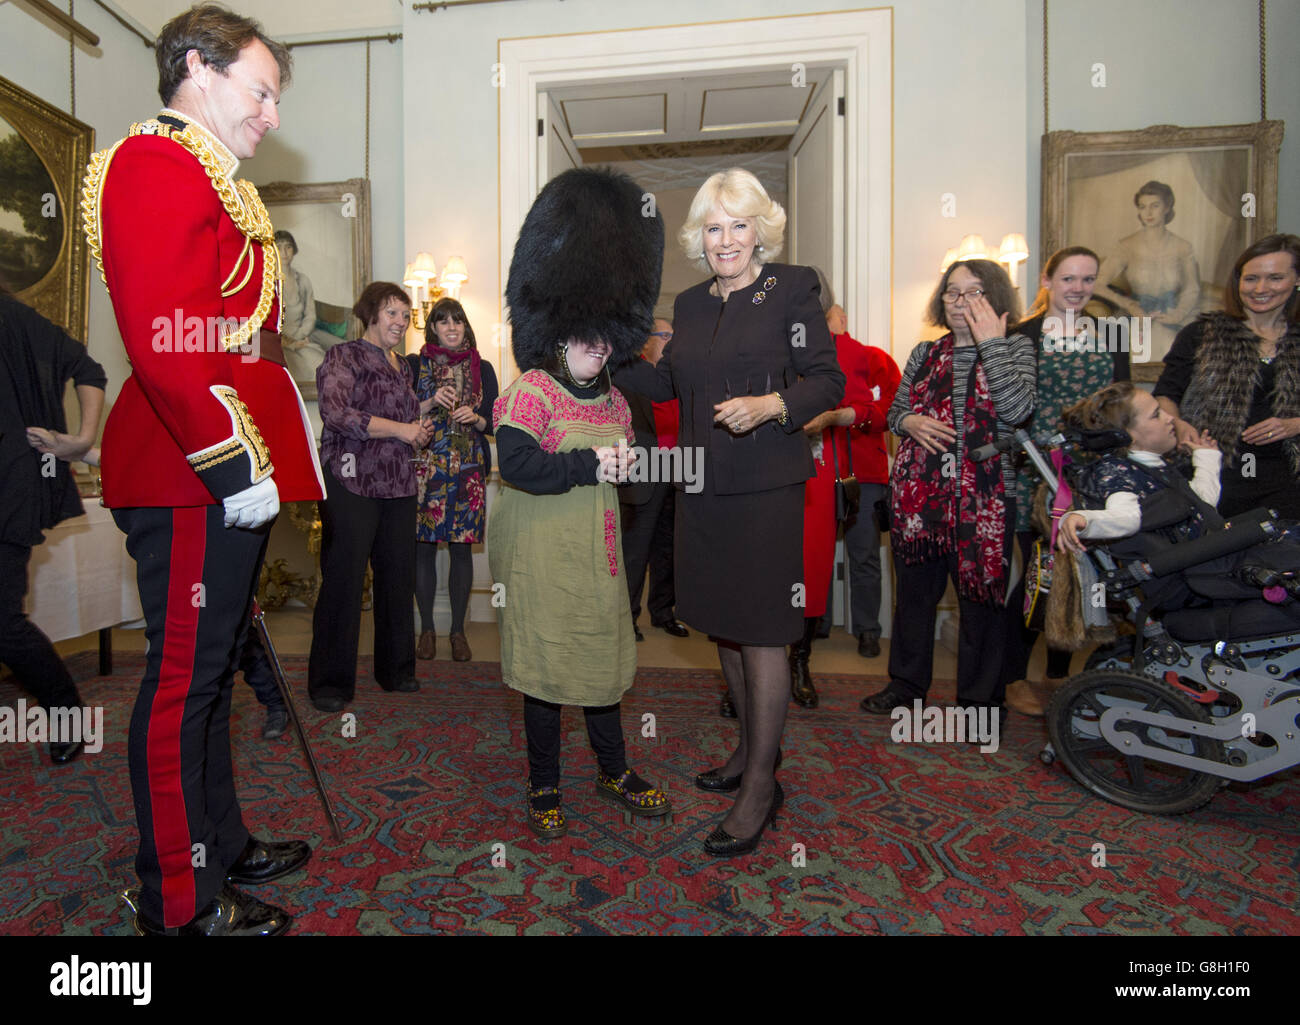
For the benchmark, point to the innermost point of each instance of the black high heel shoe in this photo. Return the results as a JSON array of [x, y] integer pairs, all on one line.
[[714, 782], [722, 844]]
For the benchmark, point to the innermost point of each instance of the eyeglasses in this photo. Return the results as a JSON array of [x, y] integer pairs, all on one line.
[[952, 295], [666, 335]]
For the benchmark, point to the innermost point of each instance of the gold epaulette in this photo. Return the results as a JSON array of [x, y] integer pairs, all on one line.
[[239, 198]]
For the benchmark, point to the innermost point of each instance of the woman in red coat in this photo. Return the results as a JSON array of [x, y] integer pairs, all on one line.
[[871, 380]]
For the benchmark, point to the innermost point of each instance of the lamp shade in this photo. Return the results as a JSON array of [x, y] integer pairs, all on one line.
[[1014, 247], [409, 279], [424, 268], [972, 248], [455, 272], [949, 258]]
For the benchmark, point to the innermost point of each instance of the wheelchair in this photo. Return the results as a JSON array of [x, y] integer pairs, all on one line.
[[1196, 697]]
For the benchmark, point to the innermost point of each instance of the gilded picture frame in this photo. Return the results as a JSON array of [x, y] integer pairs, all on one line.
[[1223, 184], [44, 258], [329, 223]]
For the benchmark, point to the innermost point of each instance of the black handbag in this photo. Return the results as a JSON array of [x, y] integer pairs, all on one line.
[[848, 492]]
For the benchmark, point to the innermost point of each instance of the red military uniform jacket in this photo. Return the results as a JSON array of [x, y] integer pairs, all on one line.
[[189, 259]]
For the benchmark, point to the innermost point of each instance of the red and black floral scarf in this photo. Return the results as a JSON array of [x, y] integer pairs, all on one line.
[[936, 511]]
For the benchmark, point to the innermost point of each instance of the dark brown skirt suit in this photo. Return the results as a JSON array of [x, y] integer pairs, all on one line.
[[738, 558]]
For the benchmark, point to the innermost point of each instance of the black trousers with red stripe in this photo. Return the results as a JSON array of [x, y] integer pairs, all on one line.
[[196, 580]]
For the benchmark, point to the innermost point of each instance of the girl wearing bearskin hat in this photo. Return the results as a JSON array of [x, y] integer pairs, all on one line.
[[582, 287]]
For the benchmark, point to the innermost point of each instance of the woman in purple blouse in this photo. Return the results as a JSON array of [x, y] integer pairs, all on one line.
[[372, 429]]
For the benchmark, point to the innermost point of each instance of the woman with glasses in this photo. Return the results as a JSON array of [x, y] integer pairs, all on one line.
[[954, 517], [456, 388]]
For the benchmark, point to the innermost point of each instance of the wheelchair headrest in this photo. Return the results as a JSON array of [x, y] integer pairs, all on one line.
[[1100, 440]]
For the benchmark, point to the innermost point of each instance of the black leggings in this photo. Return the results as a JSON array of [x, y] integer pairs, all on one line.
[[458, 586], [542, 727]]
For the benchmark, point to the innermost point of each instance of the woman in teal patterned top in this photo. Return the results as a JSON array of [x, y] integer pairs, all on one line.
[[1073, 362]]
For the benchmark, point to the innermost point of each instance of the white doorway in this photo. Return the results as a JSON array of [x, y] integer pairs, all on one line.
[[841, 222]]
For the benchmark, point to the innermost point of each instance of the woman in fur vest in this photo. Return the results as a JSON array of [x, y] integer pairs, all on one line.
[[1236, 374]]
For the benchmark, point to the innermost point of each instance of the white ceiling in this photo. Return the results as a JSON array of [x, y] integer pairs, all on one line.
[[710, 109], [280, 18], [676, 110]]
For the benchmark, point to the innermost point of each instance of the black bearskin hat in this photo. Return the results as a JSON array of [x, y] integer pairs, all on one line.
[[587, 265]]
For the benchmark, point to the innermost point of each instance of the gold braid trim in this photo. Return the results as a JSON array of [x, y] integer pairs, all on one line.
[[92, 192], [239, 198], [245, 437]]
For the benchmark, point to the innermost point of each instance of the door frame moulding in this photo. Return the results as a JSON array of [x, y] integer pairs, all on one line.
[[860, 42]]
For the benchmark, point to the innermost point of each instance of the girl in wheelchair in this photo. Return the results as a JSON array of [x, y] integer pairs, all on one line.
[[1140, 503]]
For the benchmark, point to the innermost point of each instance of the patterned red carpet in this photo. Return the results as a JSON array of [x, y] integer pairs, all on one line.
[[876, 837]]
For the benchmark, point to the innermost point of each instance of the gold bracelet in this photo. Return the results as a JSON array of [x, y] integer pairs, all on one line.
[[784, 418]]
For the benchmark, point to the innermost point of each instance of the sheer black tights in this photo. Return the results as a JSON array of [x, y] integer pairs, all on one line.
[[759, 681], [459, 584]]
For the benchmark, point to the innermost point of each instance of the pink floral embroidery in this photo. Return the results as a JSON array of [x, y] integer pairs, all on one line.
[[611, 541], [527, 411], [543, 414], [499, 410], [553, 439]]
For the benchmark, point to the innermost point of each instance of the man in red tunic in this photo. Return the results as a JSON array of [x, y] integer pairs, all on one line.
[[207, 437]]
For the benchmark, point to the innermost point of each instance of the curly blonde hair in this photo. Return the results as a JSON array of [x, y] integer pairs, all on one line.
[[740, 194]]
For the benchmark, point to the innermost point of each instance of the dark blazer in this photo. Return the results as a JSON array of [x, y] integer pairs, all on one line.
[[643, 426], [770, 337]]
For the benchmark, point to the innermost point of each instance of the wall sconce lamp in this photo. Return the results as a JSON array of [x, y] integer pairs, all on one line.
[[1013, 251], [427, 287]]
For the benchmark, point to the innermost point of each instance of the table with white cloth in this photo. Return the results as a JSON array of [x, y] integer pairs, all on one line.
[[82, 580]]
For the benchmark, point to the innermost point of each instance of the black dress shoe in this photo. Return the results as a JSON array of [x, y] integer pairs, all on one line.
[[328, 703], [277, 721], [801, 685], [61, 754], [261, 862], [230, 913], [868, 647], [722, 844], [715, 782], [674, 627], [884, 702], [637, 630]]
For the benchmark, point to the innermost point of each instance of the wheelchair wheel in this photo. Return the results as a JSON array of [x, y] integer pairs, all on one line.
[[1132, 781]]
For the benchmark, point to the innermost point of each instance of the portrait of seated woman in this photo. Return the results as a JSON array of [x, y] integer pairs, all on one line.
[[1152, 272]]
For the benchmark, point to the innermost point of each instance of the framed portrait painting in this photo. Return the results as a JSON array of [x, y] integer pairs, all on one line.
[[44, 259], [1168, 210], [323, 234]]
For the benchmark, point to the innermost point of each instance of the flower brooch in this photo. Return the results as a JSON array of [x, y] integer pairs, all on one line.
[[768, 285]]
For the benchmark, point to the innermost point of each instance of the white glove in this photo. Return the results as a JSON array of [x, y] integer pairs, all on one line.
[[253, 506]]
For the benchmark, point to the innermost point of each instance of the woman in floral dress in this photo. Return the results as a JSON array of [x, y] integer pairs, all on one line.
[[456, 388]]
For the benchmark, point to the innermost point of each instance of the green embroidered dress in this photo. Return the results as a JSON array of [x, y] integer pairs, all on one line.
[[566, 634]]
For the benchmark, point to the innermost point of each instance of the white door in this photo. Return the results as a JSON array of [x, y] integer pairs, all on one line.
[[556, 152], [816, 229]]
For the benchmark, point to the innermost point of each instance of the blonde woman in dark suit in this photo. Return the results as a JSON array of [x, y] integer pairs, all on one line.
[[751, 362]]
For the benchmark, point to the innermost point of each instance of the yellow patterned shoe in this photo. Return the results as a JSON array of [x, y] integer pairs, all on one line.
[[633, 793], [545, 816]]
